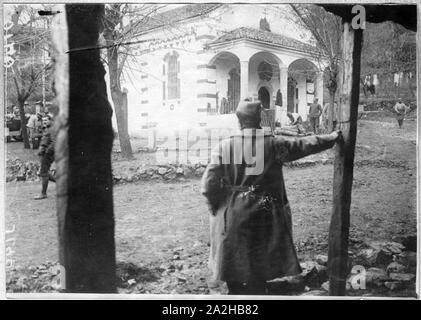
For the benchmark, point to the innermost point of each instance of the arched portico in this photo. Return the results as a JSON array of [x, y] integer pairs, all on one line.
[[227, 75], [264, 77], [256, 78], [305, 83]]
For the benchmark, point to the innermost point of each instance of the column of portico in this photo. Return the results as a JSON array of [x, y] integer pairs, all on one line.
[[283, 85], [244, 79]]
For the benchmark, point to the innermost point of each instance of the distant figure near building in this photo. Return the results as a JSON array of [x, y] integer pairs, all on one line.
[[314, 115], [250, 221], [401, 110], [297, 121], [46, 154], [35, 129], [294, 118]]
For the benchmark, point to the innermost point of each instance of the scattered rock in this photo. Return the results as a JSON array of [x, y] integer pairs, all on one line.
[[393, 285], [410, 243], [408, 259], [141, 171], [389, 247], [315, 293], [179, 265], [314, 274], [325, 286], [20, 171], [395, 267], [286, 285], [150, 171], [374, 257], [402, 277], [307, 265], [170, 176], [199, 171], [376, 277], [176, 257], [322, 259]]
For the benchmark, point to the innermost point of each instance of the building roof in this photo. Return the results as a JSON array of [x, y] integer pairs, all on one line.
[[177, 15], [264, 36]]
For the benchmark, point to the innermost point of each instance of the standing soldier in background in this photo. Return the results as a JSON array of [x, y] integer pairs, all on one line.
[[314, 115], [35, 129], [250, 222], [46, 154], [401, 110]]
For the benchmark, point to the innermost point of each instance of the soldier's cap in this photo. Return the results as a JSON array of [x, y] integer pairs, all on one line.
[[248, 109]]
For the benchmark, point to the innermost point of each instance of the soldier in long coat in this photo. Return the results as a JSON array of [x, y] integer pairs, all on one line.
[[250, 222], [46, 153]]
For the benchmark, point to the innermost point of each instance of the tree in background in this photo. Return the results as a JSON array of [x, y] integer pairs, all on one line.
[[388, 48], [325, 29], [121, 22], [29, 72]]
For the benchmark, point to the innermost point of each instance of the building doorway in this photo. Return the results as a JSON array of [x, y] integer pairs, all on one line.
[[233, 93], [264, 97], [291, 95]]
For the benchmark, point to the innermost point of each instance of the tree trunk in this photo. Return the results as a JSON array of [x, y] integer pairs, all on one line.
[[344, 160], [83, 154], [24, 131], [123, 135], [117, 96]]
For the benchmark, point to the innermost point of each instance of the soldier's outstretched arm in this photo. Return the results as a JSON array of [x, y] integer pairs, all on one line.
[[290, 149]]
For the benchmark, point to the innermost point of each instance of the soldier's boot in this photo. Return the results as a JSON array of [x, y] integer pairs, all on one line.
[[44, 183]]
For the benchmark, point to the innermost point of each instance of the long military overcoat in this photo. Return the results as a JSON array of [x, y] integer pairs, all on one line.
[[250, 224]]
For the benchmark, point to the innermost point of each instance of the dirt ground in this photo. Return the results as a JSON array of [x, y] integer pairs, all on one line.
[[162, 228]]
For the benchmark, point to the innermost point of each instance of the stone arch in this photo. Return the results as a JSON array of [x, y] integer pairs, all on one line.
[[223, 55], [302, 65], [226, 70], [264, 71], [303, 82]]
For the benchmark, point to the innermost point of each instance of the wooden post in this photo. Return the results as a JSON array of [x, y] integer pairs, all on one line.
[[344, 160], [83, 154]]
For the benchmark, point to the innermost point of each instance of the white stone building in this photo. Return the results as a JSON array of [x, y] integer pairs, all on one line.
[[199, 60]]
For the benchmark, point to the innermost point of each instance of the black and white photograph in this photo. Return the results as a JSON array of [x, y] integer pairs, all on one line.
[[210, 150]]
